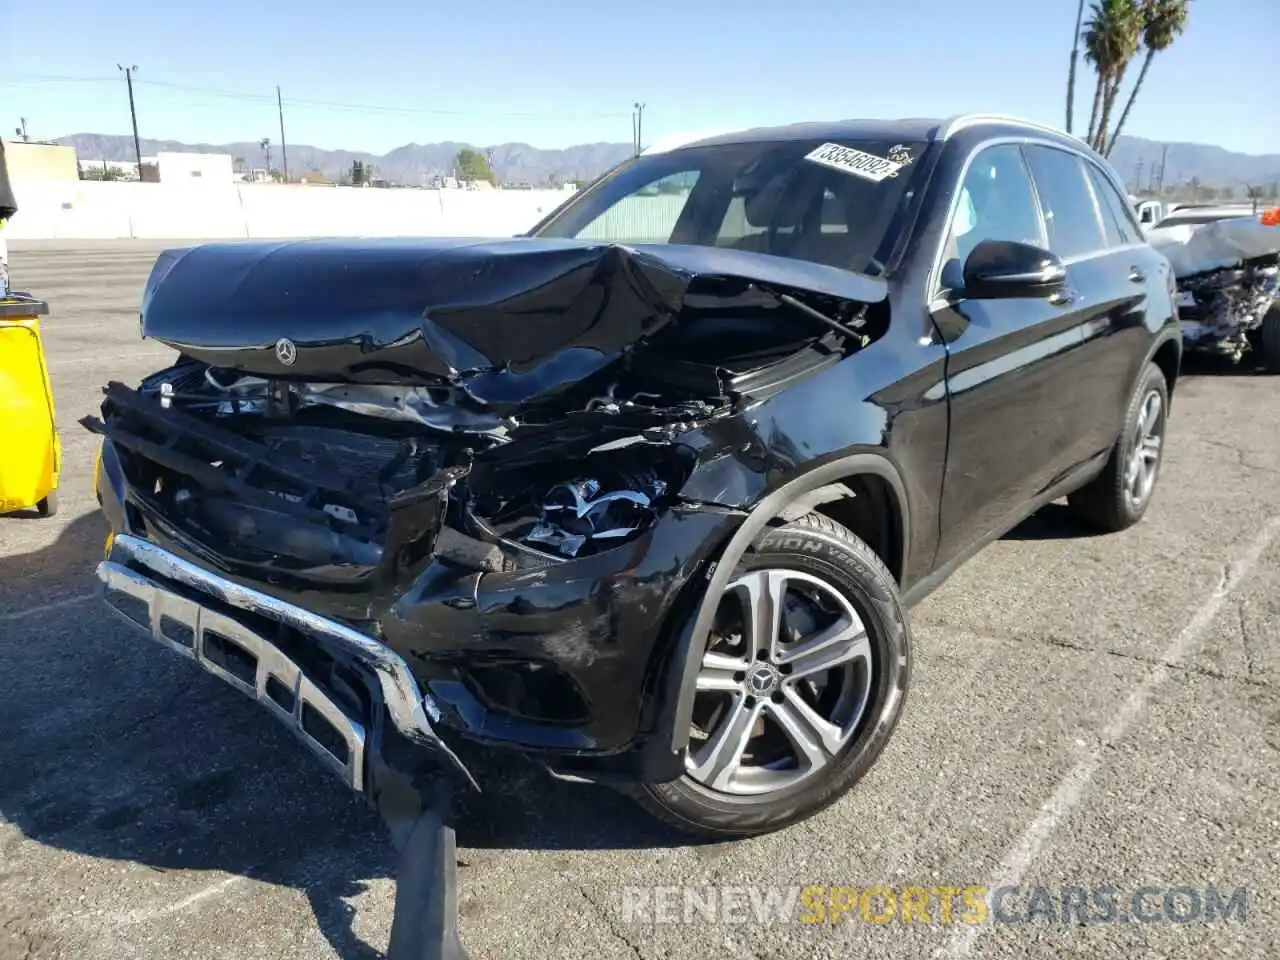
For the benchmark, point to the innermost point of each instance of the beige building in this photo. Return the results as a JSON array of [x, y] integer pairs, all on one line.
[[40, 161]]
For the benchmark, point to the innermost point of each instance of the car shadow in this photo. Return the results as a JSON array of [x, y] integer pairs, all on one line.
[[1210, 365], [115, 749], [1051, 522]]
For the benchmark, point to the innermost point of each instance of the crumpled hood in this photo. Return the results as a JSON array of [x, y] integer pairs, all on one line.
[[507, 320]]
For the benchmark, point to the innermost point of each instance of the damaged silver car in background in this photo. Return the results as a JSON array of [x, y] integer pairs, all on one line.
[[1228, 276]]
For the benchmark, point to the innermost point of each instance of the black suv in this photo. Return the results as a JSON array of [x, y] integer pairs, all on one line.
[[645, 493]]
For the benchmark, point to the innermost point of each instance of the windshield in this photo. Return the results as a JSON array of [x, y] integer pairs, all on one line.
[[830, 203]]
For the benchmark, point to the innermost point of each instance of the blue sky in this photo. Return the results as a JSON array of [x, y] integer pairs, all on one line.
[[569, 73]]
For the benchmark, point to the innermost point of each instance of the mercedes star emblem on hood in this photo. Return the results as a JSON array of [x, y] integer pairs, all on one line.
[[286, 352]]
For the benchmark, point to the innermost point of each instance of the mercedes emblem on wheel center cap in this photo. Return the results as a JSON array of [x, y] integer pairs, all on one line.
[[762, 680], [286, 352]]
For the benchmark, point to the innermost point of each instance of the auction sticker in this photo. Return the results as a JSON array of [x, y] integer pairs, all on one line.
[[848, 160]]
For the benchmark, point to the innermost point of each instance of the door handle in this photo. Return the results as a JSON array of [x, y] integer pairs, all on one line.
[[1136, 275]]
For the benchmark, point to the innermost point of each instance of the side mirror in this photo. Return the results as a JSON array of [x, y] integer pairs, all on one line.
[[1002, 269]]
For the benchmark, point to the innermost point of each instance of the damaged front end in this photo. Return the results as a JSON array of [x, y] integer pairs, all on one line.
[[1228, 277], [1221, 310], [475, 453]]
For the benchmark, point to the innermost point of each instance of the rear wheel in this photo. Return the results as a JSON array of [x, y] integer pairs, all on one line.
[[801, 684], [49, 505], [1118, 497]]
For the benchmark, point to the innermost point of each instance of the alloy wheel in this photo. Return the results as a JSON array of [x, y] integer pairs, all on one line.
[[1144, 459], [784, 682]]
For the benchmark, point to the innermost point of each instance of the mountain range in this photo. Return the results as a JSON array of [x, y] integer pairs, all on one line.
[[412, 164], [415, 163]]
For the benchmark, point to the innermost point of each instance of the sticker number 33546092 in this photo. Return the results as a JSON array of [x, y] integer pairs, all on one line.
[[855, 162]]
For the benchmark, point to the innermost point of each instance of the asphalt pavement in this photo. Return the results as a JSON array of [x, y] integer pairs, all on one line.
[[1087, 712]]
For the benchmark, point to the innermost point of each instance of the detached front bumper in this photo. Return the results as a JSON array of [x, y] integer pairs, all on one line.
[[331, 685], [567, 662]]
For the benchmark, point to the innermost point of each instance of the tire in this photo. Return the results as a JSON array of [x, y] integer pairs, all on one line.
[[1269, 339], [813, 557], [1108, 502], [48, 507]]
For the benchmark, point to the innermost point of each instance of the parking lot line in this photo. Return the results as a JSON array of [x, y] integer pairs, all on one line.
[[1073, 786], [44, 608], [186, 903]]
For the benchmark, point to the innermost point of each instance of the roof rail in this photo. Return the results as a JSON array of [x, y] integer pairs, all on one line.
[[953, 125]]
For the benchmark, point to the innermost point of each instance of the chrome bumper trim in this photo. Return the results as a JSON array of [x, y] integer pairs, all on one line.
[[406, 705]]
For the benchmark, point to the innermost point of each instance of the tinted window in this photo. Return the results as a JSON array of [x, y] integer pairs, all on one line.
[[1119, 225], [996, 203], [1069, 210], [648, 215], [767, 197]]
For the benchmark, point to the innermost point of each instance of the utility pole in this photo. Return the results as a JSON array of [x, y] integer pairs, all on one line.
[[284, 153], [1164, 165], [639, 126], [133, 114]]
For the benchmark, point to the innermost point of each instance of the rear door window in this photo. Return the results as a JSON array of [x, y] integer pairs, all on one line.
[[1075, 224], [1121, 230]]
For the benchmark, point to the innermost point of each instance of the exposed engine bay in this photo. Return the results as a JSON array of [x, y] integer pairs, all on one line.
[[237, 466], [320, 452]]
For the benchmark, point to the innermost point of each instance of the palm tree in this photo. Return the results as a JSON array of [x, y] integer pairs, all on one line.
[[1111, 39], [1071, 72], [1163, 21]]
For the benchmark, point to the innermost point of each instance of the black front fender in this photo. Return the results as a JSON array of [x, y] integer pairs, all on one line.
[[663, 758]]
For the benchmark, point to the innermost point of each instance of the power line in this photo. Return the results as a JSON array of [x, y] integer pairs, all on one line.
[[32, 80], [306, 102]]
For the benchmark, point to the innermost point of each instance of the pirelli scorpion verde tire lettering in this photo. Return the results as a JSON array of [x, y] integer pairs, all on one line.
[[801, 683], [1118, 497]]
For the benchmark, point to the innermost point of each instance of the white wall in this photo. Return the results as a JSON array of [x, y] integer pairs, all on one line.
[[195, 169], [92, 210]]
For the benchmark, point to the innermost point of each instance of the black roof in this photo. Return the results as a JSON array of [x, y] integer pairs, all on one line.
[[915, 129]]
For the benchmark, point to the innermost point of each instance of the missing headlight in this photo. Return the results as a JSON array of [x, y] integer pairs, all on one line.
[[581, 511], [595, 510]]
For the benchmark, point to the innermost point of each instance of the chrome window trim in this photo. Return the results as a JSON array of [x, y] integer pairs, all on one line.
[[934, 281], [935, 271]]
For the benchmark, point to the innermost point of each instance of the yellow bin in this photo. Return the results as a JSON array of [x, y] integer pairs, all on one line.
[[30, 451]]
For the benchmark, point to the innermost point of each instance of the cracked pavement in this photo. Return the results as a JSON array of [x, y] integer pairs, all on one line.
[[1085, 711]]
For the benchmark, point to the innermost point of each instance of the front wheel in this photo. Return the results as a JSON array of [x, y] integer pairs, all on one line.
[[802, 682]]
